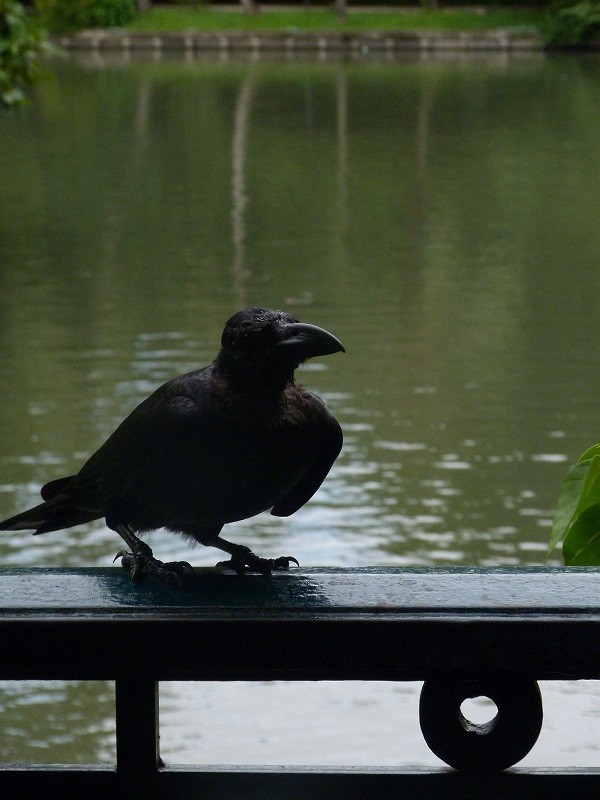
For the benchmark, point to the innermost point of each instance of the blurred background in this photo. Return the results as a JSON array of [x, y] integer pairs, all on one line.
[[439, 215]]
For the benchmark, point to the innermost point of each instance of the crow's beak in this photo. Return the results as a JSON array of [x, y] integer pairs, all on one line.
[[304, 341]]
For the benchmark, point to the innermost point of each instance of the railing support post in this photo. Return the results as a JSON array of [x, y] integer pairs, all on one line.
[[137, 728]]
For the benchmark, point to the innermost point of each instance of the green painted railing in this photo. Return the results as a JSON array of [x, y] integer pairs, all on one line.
[[465, 632]]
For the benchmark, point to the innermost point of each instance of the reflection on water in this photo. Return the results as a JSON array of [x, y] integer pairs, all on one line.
[[439, 216], [64, 722], [348, 724]]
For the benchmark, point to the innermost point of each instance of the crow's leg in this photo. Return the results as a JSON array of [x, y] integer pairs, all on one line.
[[243, 558], [140, 560]]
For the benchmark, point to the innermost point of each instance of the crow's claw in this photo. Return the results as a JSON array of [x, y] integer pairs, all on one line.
[[283, 562], [143, 563], [180, 566], [235, 563], [245, 559]]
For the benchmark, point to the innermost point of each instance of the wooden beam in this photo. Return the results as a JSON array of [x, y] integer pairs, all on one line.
[[377, 624]]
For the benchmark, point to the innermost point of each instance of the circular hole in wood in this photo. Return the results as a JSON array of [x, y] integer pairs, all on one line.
[[478, 714]]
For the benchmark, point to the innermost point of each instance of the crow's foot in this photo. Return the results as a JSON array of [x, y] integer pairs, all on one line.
[[142, 562], [244, 559]]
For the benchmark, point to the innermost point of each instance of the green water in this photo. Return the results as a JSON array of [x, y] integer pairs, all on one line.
[[439, 216]]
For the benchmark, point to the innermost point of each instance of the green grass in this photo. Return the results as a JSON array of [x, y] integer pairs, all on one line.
[[201, 18]]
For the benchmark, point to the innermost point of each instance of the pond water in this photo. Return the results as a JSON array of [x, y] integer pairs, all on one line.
[[440, 216]]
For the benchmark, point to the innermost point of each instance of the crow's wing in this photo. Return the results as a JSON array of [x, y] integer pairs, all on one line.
[[330, 438]]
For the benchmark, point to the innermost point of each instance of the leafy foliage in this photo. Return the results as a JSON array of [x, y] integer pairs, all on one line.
[[21, 44], [74, 14], [577, 516], [573, 23]]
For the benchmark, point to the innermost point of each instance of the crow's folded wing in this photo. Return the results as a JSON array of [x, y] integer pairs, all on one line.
[[331, 438]]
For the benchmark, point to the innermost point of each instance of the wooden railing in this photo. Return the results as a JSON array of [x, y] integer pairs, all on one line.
[[465, 632]]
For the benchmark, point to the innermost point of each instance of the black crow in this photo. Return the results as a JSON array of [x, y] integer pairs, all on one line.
[[216, 445]]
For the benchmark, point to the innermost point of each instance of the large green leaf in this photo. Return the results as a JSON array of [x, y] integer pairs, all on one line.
[[590, 495], [581, 547], [589, 454], [568, 500]]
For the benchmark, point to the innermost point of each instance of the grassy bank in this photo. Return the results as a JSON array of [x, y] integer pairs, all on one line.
[[181, 18]]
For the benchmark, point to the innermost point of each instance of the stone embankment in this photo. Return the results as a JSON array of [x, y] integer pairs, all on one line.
[[292, 41]]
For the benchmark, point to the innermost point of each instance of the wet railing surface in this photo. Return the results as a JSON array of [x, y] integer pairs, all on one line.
[[465, 632]]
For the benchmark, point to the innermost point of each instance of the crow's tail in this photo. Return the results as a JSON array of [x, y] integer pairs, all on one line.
[[61, 509]]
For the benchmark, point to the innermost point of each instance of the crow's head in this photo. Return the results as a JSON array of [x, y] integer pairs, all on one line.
[[260, 345]]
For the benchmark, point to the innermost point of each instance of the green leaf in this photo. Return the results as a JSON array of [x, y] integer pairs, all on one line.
[[581, 547], [590, 495], [568, 501], [589, 454]]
